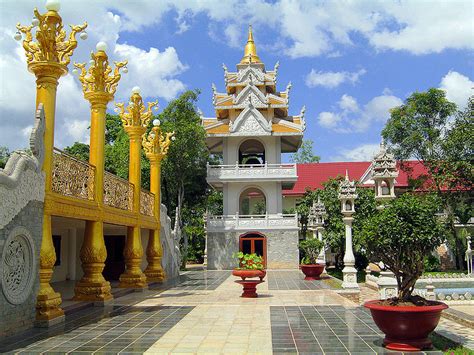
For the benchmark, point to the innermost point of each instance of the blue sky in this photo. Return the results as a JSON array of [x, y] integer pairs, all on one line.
[[348, 62]]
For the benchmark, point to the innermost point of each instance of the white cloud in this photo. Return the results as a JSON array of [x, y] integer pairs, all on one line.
[[332, 79], [329, 119], [363, 152], [351, 117], [233, 35], [154, 70], [458, 88]]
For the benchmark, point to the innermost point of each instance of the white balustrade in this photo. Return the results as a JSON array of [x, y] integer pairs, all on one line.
[[254, 222], [264, 172]]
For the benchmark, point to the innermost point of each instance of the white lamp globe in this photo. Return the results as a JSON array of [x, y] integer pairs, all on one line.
[[173, 138], [83, 35], [35, 22], [156, 122], [17, 36], [136, 90], [53, 5], [101, 46]]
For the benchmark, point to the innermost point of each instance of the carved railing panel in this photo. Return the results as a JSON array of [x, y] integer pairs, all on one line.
[[72, 177], [147, 201], [269, 221], [216, 172], [118, 192]]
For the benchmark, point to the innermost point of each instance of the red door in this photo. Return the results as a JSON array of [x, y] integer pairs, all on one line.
[[254, 243]]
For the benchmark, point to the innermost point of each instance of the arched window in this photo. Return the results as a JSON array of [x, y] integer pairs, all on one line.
[[252, 202], [251, 152]]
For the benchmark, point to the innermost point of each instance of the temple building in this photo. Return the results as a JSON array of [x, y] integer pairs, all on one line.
[[251, 130]]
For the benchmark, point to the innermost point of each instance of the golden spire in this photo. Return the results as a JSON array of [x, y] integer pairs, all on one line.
[[250, 52]]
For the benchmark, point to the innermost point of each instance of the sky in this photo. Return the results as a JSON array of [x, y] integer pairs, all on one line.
[[349, 62]]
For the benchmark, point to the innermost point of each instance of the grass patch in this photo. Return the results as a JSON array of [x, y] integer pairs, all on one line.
[[338, 274], [448, 272], [333, 283], [448, 346]]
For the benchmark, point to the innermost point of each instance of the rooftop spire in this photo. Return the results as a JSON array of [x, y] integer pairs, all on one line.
[[250, 51]]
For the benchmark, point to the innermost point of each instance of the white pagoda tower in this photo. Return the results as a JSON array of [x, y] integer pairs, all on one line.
[[251, 130]]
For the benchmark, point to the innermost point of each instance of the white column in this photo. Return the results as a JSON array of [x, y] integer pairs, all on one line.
[[71, 254], [349, 272], [322, 254]]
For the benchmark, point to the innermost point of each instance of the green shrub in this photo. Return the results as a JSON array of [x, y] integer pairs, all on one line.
[[401, 235], [310, 249], [249, 261], [431, 263]]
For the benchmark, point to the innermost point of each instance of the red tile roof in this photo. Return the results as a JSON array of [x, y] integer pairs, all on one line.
[[312, 175]]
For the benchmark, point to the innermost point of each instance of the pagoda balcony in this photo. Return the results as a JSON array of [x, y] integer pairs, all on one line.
[[252, 222], [219, 174]]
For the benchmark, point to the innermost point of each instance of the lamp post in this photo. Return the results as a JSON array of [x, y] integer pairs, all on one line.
[[347, 196], [317, 214], [156, 146], [384, 173], [47, 58], [99, 84], [135, 122]]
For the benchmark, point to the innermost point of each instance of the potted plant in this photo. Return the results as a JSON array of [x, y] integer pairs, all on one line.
[[401, 235], [309, 264], [250, 265]]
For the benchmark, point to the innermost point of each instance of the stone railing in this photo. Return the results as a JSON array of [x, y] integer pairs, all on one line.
[[147, 201], [118, 192], [256, 222], [454, 296], [253, 172], [72, 177]]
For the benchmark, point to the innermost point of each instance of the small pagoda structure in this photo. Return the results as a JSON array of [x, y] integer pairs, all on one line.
[[250, 130]]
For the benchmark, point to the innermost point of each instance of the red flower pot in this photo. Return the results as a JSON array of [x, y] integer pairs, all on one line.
[[313, 271], [248, 274], [406, 328]]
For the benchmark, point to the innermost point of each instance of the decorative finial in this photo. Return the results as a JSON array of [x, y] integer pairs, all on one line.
[[250, 51], [347, 175]]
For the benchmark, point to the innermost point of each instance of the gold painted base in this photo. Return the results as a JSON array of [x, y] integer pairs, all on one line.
[[154, 275], [48, 307], [92, 291], [135, 280]]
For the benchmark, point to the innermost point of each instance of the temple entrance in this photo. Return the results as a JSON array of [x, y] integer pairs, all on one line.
[[254, 243], [115, 262]]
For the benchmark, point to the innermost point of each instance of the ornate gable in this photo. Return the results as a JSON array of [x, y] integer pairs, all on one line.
[[251, 95], [250, 122]]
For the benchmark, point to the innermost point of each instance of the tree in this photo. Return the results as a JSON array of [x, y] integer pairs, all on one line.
[[79, 151], [4, 155], [401, 235], [334, 230], [184, 171], [428, 128], [305, 153]]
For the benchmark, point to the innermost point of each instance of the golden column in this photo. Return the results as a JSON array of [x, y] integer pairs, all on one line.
[[99, 85], [47, 58], [135, 123], [156, 147]]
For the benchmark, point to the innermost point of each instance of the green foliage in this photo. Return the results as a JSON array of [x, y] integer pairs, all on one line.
[[401, 235], [431, 263], [79, 151], [305, 153], [334, 230], [249, 261], [4, 155], [259, 208], [310, 248], [429, 128]]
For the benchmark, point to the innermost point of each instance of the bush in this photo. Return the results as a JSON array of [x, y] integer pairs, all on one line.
[[310, 249], [401, 235], [431, 263], [249, 261]]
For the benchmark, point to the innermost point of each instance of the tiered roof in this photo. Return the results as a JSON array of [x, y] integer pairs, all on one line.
[[251, 105]]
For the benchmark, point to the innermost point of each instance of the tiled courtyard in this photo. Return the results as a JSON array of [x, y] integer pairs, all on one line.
[[201, 312]]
